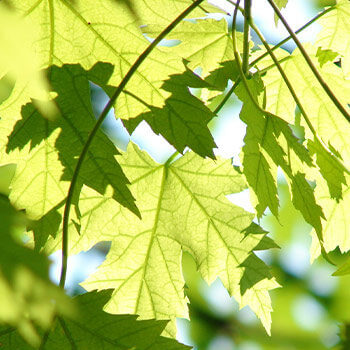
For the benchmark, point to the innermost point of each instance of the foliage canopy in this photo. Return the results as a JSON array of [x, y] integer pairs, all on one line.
[[73, 188]]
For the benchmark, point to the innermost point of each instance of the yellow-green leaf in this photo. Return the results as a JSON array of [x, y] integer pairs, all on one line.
[[28, 299], [46, 151], [93, 37], [335, 33], [92, 328], [183, 208]]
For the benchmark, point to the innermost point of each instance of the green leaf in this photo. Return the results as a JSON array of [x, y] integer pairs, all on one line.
[[330, 169], [183, 209], [93, 37], [95, 329], [335, 33], [329, 123], [205, 43], [46, 152], [19, 64], [26, 293], [183, 119], [278, 98], [336, 229], [332, 128], [343, 269], [325, 56], [269, 143], [280, 4]]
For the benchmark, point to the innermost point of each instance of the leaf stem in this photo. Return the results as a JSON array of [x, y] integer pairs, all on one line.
[[282, 42], [284, 77], [258, 59], [308, 60], [67, 333], [99, 122], [246, 34], [171, 158], [285, 40], [227, 96], [239, 64]]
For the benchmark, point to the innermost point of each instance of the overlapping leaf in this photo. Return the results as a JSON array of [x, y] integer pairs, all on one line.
[[19, 65], [46, 151], [343, 269], [183, 208], [269, 143], [335, 33], [26, 294], [205, 44], [325, 56], [92, 328], [336, 229], [330, 125], [105, 31], [183, 118]]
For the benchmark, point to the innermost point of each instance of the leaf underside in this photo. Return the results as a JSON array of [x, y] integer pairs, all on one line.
[[154, 213]]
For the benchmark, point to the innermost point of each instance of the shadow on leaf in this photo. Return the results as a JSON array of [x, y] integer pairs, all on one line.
[[100, 170]]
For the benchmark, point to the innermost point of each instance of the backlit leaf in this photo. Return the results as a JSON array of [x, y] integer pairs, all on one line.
[[46, 151], [335, 33], [93, 37], [280, 4], [92, 328], [269, 143], [26, 294], [183, 209]]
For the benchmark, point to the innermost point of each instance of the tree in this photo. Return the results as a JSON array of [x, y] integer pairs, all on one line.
[[72, 187]]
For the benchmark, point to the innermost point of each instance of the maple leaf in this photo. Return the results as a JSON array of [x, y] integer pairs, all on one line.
[[280, 4], [46, 151], [269, 143], [203, 43], [19, 65], [335, 33], [331, 191], [26, 292], [336, 228], [183, 209], [183, 118], [95, 329], [93, 37], [329, 124]]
